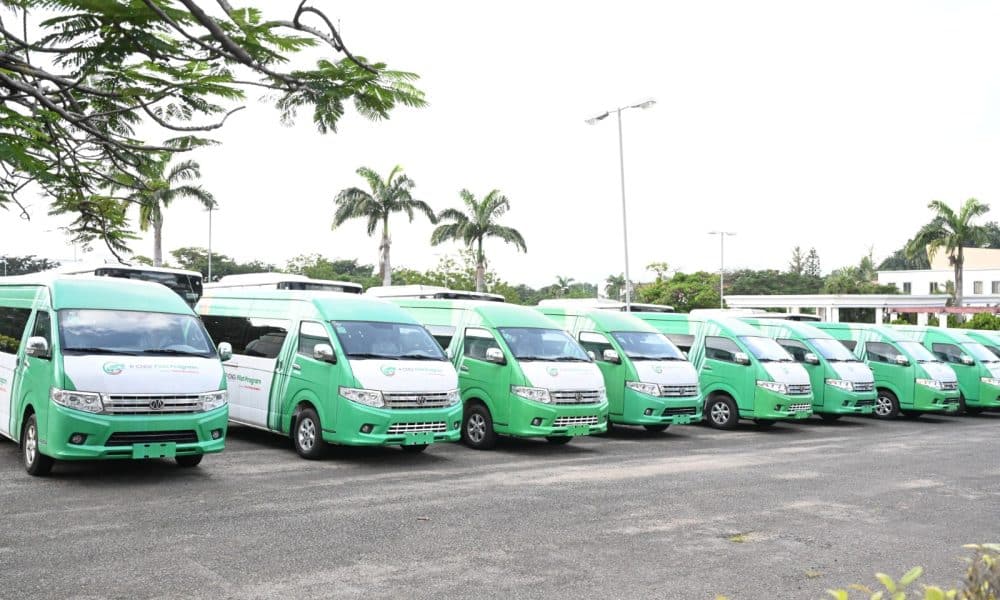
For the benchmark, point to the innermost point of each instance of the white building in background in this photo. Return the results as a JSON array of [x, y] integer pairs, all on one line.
[[981, 277]]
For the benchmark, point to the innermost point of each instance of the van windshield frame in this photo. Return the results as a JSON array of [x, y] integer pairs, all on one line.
[[132, 333], [631, 341], [526, 344], [386, 340]]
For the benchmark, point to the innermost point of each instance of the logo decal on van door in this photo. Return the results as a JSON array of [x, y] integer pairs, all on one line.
[[388, 370], [113, 368], [552, 371]]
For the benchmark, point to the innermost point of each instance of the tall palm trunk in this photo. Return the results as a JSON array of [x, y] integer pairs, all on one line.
[[158, 240], [480, 268], [384, 265], [959, 276]]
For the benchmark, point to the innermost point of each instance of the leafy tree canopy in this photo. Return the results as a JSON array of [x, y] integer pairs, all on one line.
[[23, 265]]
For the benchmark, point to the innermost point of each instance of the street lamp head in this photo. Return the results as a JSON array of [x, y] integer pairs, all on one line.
[[594, 120], [645, 105]]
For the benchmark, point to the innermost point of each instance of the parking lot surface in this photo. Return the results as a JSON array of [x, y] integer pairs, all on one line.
[[691, 513]]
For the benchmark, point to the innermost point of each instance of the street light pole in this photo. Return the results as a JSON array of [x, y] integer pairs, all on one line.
[[722, 263], [210, 244], [621, 166]]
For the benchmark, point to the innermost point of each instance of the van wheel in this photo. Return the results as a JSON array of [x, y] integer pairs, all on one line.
[[477, 428], [721, 412], [189, 460], [657, 428], [830, 417], [559, 440], [886, 405], [307, 435], [965, 408], [414, 448], [35, 463], [911, 414]]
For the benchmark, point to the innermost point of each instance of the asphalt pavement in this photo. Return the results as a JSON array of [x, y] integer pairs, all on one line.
[[690, 513]]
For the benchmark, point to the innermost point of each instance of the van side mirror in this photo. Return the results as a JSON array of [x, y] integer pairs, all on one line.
[[902, 360], [967, 360], [225, 351], [37, 347], [811, 358], [611, 356], [741, 358], [495, 356], [324, 352]]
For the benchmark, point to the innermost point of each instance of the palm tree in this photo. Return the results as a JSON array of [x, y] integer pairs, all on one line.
[[562, 285], [479, 223], [951, 231], [615, 286], [158, 190], [391, 195]]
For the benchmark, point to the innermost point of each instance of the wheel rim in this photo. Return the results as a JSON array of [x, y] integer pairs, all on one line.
[[307, 434], [720, 413], [883, 406], [30, 444], [476, 428]]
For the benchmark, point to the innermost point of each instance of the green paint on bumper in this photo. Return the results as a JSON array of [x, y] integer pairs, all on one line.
[[558, 420], [927, 399], [836, 401], [770, 405], [393, 427], [662, 411]]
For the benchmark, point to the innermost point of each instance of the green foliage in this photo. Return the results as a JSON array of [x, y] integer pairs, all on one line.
[[770, 281], [983, 321], [318, 267], [951, 231], [83, 84], [683, 291], [22, 265], [614, 286], [196, 259]]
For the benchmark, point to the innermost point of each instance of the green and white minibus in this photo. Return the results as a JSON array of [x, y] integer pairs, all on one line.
[[908, 378], [520, 373], [649, 381], [841, 384], [98, 367], [743, 373], [975, 366], [333, 368]]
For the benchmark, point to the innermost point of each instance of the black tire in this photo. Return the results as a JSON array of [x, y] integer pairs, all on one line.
[[886, 405], [189, 461], [829, 417], [35, 463], [414, 448], [764, 423], [964, 408], [559, 440], [721, 412], [911, 414], [660, 428], [307, 435], [477, 428]]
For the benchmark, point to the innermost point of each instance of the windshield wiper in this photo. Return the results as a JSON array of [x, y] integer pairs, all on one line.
[[372, 355], [96, 350], [420, 357], [170, 352], [553, 358], [644, 357]]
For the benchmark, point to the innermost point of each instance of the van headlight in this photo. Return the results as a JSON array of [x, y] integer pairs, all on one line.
[[650, 389], [214, 400], [841, 384], [531, 393], [85, 401], [990, 381], [454, 397], [371, 398], [602, 395], [773, 386], [931, 383]]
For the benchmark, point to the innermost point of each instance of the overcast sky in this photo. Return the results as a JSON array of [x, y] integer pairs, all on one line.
[[826, 124]]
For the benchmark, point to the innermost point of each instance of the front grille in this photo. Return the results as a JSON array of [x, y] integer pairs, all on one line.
[[568, 421], [415, 399], [575, 396], [673, 412], [799, 407], [865, 403], [158, 404], [152, 437], [677, 391], [951, 400], [864, 387], [799, 389], [434, 426], [949, 386]]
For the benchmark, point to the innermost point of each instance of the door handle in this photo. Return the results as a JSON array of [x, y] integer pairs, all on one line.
[[296, 367], [706, 368], [464, 368]]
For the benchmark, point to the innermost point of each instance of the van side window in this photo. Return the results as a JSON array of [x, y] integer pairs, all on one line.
[[881, 352], [720, 348], [311, 333], [596, 343], [441, 333], [948, 353], [266, 337], [478, 341], [12, 324], [682, 341], [43, 327], [796, 348], [849, 344], [227, 329]]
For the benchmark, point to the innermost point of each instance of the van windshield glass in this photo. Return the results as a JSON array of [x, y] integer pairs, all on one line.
[[918, 352], [529, 343], [766, 349], [979, 352], [831, 349], [133, 333], [387, 341], [645, 345]]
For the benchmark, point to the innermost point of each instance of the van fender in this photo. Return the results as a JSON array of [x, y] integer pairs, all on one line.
[[478, 394], [722, 388], [892, 388], [290, 409]]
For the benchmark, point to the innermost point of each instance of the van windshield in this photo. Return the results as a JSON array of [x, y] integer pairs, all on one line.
[[979, 352], [766, 350], [831, 349], [644, 345], [918, 352], [132, 333], [529, 343], [386, 341]]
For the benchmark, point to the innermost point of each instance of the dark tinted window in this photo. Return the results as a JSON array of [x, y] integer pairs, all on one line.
[[849, 344], [596, 343], [881, 352], [185, 286], [948, 352], [43, 327], [248, 336], [310, 334], [720, 348], [442, 334], [796, 348], [12, 324], [682, 341], [477, 342]]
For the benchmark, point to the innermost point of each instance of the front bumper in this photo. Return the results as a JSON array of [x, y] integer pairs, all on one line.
[[393, 426], [554, 419], [989, 397], [927, 399], [836, 401], [642, 409], [770, 405], [139, 436]]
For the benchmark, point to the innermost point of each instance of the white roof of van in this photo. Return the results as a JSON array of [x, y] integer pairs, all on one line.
[[275, 278], [84, 268], [423, 291]]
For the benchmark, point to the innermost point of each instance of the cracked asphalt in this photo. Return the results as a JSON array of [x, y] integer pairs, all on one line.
[[691, 513]]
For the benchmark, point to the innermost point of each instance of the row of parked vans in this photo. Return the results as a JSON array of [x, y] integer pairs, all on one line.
[[94, 368]]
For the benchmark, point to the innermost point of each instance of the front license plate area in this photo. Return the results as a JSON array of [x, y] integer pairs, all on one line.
[[418, 439], [165, 450], [682, 420], [578, 430]]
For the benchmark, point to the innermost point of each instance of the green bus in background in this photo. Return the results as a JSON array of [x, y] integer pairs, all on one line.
[[908, 378], [841, 384], [648, 379], [103, 368], [520, 374], [743, 373]]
